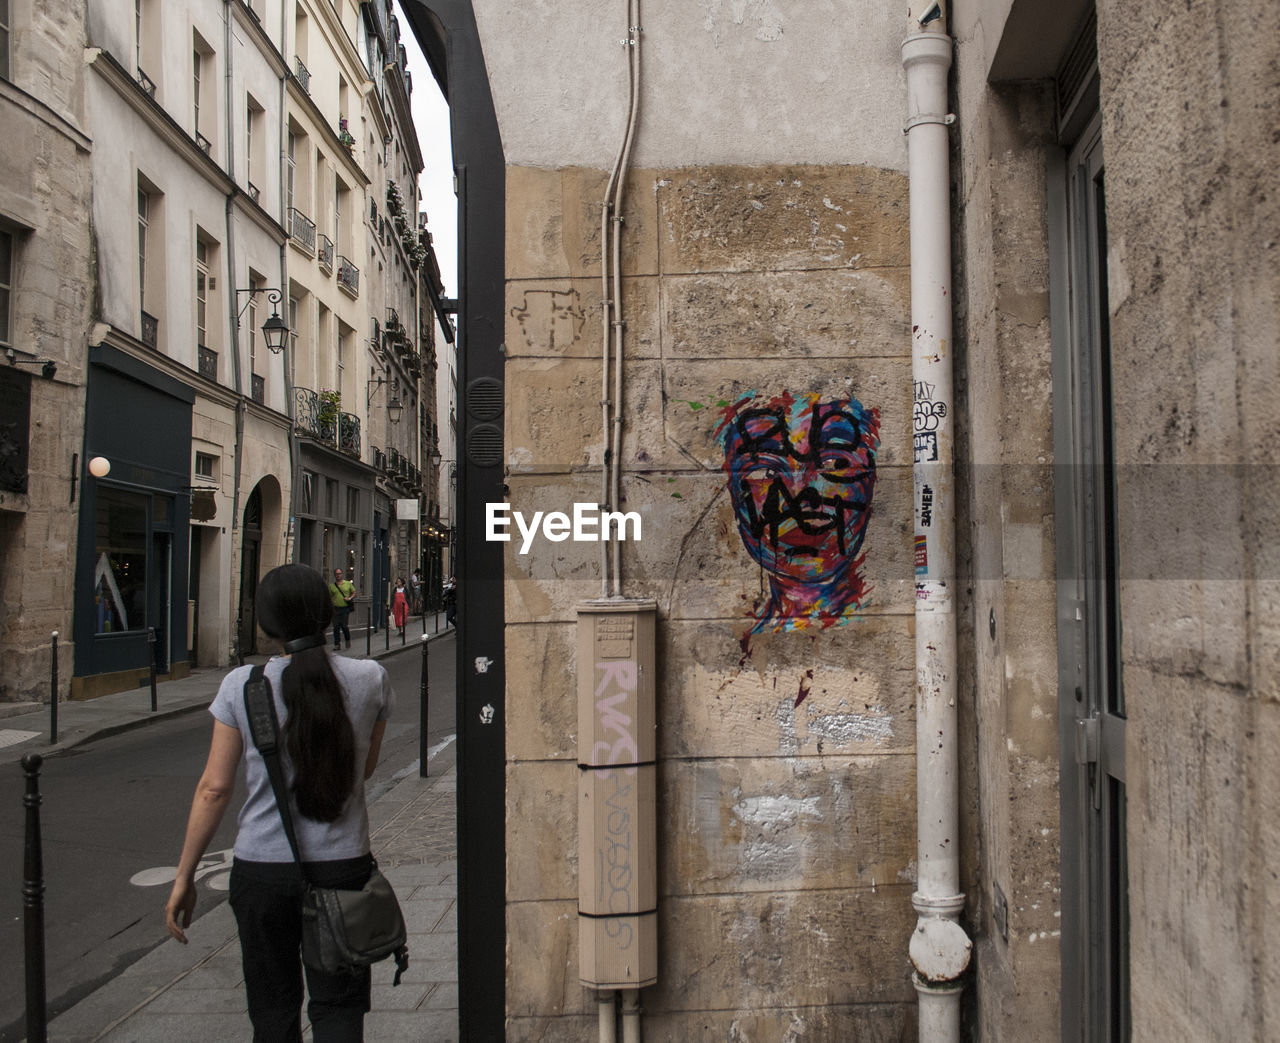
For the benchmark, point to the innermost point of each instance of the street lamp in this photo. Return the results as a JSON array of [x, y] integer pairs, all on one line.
[[394, 407], [275, 331]]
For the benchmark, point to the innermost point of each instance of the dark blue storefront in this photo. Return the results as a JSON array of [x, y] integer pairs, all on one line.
[[131, 567]]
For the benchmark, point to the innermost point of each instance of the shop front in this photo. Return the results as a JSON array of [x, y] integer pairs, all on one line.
[[131, 563]]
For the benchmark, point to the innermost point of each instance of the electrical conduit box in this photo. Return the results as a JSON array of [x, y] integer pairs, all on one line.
[[617, 785]]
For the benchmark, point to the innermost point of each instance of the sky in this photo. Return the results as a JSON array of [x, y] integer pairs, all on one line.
[[431, 118]]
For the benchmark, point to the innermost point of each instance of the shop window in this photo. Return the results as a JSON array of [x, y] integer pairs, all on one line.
[[120, 572], [6, 285], [4, 39]]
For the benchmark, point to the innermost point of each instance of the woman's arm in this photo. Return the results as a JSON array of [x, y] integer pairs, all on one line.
[[213, 794], [375, 747]]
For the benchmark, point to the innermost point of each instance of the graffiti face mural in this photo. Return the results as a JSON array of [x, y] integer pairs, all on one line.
[[801, 474]]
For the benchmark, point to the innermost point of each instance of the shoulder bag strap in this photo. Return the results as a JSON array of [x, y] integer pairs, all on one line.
[[260, 708]]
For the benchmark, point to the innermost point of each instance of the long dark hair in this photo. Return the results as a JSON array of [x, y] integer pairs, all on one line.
[[294, 602]]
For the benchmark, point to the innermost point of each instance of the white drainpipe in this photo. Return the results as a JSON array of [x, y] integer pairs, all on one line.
[[939, 947]]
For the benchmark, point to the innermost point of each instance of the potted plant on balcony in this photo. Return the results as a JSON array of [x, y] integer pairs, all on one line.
[[330, 403], [344, 135]]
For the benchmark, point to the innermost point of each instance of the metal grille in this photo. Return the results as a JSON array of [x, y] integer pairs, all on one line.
[[484, 398], [484, 445]]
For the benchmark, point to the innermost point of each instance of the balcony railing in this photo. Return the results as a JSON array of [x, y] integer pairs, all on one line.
[[302, 230], [146, 83], [349, 434], [301, 74], [254, 192], [258, 389], [326, 254], [349, 277], [208, 362], [322, 422], [205, 144], [150, 330], [379, 459]]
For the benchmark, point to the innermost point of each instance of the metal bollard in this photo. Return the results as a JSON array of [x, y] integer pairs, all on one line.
[[151, 642], [390, 620], [53, 693], [368, 631], [33, 905], [424, 700]]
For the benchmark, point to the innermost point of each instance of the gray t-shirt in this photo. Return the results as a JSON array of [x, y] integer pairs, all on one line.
[[368, 696]]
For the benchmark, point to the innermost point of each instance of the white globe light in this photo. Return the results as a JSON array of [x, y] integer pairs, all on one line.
[[99, 466]]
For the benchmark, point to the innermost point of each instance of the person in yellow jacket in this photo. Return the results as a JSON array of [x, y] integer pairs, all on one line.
[[343, 593]]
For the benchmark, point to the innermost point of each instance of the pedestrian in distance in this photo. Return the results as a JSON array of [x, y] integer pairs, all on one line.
[[343, 594], [415, 588], [451, 602], [400, 604], [333, 713]]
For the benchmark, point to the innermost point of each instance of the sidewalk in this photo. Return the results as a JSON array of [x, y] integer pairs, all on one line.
[[196, 991], [25, 727]]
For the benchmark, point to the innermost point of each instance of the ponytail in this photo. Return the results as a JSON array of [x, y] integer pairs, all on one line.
[[318, 736], [293, 602]]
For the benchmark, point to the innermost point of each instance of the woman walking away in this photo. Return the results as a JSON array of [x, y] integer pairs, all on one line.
[[333, 712]]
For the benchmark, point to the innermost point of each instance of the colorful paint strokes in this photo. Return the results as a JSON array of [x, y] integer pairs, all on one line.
[[801, 475]]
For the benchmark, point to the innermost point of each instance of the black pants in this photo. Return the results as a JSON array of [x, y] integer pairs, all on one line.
[[340, 617], [266, 898]]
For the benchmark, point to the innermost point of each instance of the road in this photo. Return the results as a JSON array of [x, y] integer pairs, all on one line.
[[113, 814]]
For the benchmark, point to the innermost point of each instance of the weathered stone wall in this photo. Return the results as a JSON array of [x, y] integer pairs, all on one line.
[[44, 193], [786, 771], [1191, 107], [1006, 541]]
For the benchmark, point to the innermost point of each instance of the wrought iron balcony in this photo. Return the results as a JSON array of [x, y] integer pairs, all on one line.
[[258, 390], [302, 230], [208, 363], [150, 330], [205, 144], [349, 277], [301, 74], [255, 193], [349, 434], [146, 83], [379, 459], [326, 254], [322, 422]]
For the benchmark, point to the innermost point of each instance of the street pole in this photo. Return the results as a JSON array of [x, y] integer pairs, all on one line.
[[33, 904], [53, 693], [424, 700], [368, 630], [151, 641]]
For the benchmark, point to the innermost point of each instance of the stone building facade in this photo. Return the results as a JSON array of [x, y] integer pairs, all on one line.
[[45, 300], [1112, 220]]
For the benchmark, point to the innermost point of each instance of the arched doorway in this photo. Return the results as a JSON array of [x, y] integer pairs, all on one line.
[[250, 556]]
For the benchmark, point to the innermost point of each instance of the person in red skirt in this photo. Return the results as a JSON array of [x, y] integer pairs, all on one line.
[[400, 604]]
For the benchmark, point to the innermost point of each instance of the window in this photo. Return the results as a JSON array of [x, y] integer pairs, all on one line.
[[144, 222], [253, 334], [202, 293], [291, 172], [197, 59], [353, 505], [203, 94], [4, 39], [293, 328], [254, 146], [120, 549], [331, 497], [6, 287], [206, 465], [308, 492]]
